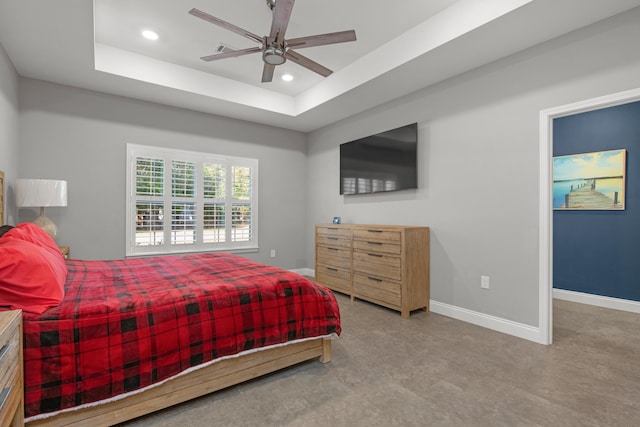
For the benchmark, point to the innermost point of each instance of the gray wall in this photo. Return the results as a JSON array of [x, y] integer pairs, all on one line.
[[8, 131], [81, 136], [478, 163]]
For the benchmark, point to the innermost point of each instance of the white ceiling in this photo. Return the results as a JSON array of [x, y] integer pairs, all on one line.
[[402, 47], [185, 38]]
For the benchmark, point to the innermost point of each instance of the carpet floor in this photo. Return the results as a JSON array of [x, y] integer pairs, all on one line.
[[431, 370]]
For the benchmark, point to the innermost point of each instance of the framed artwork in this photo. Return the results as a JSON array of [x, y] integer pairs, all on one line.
[[590, 181]]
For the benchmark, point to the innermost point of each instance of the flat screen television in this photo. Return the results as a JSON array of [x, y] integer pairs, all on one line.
[[386, 161]]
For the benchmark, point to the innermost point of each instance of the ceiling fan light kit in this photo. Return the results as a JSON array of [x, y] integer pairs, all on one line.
[[273, 55], [276, 50]]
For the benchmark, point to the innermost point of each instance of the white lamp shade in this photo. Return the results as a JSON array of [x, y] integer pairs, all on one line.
[[40, 192]]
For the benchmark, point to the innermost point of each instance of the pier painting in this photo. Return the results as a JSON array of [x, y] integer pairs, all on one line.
[[589, 181]]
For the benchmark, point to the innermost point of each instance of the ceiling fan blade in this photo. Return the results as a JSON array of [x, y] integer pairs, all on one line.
[[212, 19], [281, 15], [308, 63], [322, 39], [232, 54], [267, 72]]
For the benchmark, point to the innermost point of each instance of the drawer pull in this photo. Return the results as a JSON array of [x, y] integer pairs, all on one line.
[[374, 243], [332, 269], [3, 350], [374, 231], [3, 396], [332, 228], [375, 255], [332, 238], [332, 249], [375, 279]]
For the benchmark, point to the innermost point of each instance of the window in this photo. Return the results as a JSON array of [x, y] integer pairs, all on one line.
[[182, 201]]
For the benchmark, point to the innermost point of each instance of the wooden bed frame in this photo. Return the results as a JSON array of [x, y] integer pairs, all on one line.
[[203, 381]]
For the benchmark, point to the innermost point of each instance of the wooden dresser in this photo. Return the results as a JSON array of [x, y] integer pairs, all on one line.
[[384, 264], [11, 380]]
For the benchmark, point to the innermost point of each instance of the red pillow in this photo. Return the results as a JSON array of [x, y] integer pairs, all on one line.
[[30, 277], [33, 233]]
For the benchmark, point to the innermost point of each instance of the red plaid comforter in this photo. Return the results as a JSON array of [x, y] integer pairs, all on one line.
[[127, 324]]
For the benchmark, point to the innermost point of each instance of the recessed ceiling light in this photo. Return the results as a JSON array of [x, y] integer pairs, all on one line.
[[150, 35], [287, 77]]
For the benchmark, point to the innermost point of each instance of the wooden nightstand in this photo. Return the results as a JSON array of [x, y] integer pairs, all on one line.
[[66, 251], [11, 381]]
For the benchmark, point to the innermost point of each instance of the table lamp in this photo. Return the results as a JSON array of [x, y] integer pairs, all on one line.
[[42, 193]]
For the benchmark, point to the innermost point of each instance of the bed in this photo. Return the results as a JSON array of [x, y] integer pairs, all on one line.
[[134, 336]]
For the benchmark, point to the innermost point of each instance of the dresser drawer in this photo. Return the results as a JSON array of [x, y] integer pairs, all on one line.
[[334, 231], [388, 266], [9, 356], [333, 271], [11, 389], [333, 241], [340, 258], [377, 235], [11, 396], [376, 247], [334, 278], [385, 292]]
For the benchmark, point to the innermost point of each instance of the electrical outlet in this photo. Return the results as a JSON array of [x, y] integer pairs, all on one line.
[[484, 282], [273, 253]]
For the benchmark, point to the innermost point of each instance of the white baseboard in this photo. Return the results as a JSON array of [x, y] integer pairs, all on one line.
[[509, 327], [520, 330], [598, 300], [305, 271]]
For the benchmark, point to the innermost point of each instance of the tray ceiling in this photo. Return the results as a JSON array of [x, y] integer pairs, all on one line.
[[401, 47]]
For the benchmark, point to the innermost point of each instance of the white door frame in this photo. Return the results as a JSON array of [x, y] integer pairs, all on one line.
[[545, 239]]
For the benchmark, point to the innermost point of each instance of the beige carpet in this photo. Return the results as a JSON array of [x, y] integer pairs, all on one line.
[[431, 370]]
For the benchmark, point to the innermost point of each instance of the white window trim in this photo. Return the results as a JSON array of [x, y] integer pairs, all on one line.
[[168, 154]]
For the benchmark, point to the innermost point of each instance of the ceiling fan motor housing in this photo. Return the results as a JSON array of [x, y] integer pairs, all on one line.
[[274, 55]]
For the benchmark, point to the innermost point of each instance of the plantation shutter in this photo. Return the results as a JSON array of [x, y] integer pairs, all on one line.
[[183, 201]]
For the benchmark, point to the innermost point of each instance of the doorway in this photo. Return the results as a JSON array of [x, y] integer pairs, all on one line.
[[545, 302]]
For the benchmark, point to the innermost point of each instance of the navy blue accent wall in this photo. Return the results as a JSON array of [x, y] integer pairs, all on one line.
[[598, 252]]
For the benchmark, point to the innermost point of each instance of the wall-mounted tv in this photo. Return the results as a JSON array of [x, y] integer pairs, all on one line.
[[386, 161]]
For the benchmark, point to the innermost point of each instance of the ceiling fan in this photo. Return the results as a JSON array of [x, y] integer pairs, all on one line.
[[274, 47]]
